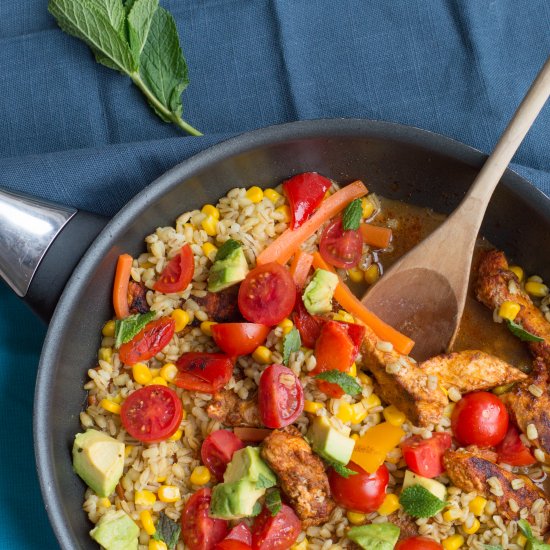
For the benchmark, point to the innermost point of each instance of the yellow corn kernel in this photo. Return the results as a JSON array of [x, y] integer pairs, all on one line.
[[255, 194], [272, 195], [358, 413], [345, 412], [367, 207], [210, 251], [353, 370], [206, 327], [147, 522], [157, 545], [158, 381], [181, 317], [312, 406], [300, 545], [105, 502], [355, 437], [141, 373], [105, 354], [451, 514], [453, 542], [371, 401], [176, 436], [355, 275], [117, 398], [343, 315], [509, 310], [390, 505], [169, 493], [473, 529], [521, 540], [169, 372], [538, 290], [534, 279], [110, 406], [145, 498], [161, 479], [155, 372], [372, 274], [356, 518], [262, 355], [211, 210], [365, 379], [477, 505], [108, 328], [518, 271], [285, 211], [128, 450], [394, 416], [286, 325], [200, 475], [210, 225]]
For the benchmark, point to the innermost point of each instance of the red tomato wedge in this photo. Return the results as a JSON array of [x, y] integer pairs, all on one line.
[[217, 451], [200, 531], [362, 492], [204, 372], [267, 295], [240, 532], [178, 273], [305, 193], [231, 544], [418, 543], [153, 338], [512, 451], [280, 397], [334, 350], [277, 532], [425, 456], [152, 413], [239, 338], [309, 326], [341, 248]]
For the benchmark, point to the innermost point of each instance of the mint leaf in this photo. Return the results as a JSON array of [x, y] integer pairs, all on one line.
[[226, 249], [168, 531], [291, 343], [273, 502], [517, 330], [264, 482], [348, 383], [256, 509], [126, 329], [338, 467], [525, 529], [418, 502], [113, 11], [351, 218], [140, 17]]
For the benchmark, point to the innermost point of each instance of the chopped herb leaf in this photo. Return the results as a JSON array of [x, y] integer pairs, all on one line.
[[227, 248], [264, 482], [352, 215], [256, 509], [273, 501], [517, 330], [167, 531], [291, 343], [348, 383], [532, 542], [418, 502], [338, 467], [126, 329]]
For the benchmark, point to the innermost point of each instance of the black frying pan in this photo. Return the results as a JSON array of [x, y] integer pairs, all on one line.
[[395, 161]]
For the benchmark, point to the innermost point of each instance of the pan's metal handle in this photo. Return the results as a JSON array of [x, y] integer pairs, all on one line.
[[40, 244]]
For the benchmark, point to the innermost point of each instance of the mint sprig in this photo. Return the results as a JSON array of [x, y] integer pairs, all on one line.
[[351, 218], [525, 336], [291, 343], [273, 501], [138, 39], [348, 383]]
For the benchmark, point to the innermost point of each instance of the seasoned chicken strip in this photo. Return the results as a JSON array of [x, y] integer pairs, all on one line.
[[301, 474], [471, 370], [496, 284], [221, 306], [470, 471], [526, 408], [229, 409], [137, 298]]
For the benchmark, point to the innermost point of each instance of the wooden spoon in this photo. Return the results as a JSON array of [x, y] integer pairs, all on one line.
[[423, 294]]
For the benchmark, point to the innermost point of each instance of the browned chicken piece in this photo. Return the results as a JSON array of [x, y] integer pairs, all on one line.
[[301, 474], [137, 301], [496, 284], [527, 408], [406, 523], [222, 306], [471, 370], [470, 471], [229, 409], [401, 382]]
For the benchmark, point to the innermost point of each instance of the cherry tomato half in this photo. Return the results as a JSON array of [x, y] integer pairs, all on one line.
[[418, 543], [217, 451], [199, 530], [178, 273], [239, 338], [277, 532], [280, 397], [362, 492], [425, 456], [341, 248], [204, 372], [153, 338], [267, 295], [152, 413], [240, 532], [309, 326], [512, 451], [479, 418]]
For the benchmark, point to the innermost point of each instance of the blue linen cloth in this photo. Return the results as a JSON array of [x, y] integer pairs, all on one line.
[[76, 132]]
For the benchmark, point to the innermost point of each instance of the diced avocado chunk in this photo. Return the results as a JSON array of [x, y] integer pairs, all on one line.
[[318, 294], [235, 500], [377, 536], [116, 531], [327, 441], [247, 464], [99, 460], [230, 266], [435, 487]]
